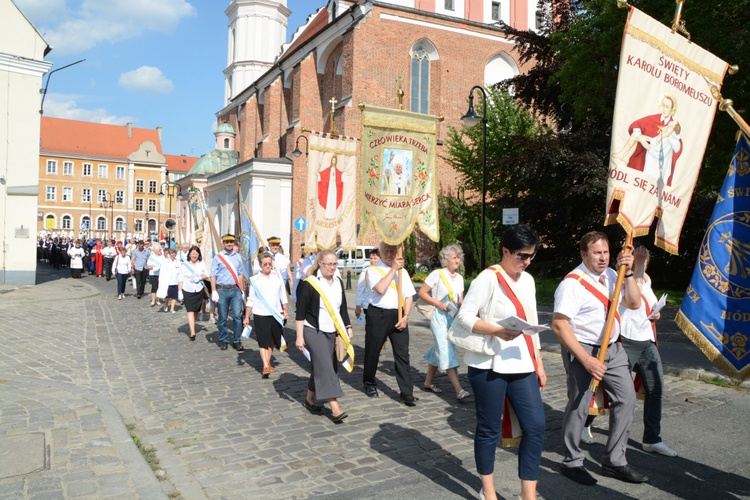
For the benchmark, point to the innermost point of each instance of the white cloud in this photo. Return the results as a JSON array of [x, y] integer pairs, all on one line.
[[96, 21], [65, 107], [146, 79]]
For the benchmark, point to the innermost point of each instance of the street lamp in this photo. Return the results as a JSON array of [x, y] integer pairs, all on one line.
[[170, 186], [148, 233], [297, 153], [108, 202], [470, 119]]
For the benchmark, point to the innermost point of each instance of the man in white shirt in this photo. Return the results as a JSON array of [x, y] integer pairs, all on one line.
[[281, 262], [383, 323], [581, 304]]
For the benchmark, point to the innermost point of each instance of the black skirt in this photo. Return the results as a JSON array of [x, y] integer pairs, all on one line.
[[192, 301], [268, 331]]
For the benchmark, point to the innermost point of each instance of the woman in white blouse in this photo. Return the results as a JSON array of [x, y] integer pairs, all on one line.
[[266, 301], [515, 371], [444, 289], [122, 269], [190, 289]]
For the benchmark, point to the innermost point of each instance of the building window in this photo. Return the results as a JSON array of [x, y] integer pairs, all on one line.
[[139, 186], [51, 193], [139, 204], [101, 195], [87, 169], [51, 167], [101, 223], [119, 224], [152, 205], [86, 195], [420, 81], [120, 197], [152, 187], [85, 222], [226, 143], [495, 11], [67, 194], [102, 171], [67, 222], [138, 225], [68, 168], [449, 5], [120, 172]]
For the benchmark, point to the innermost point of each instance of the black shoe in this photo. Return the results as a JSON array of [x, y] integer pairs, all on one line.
[[409, 400], [238, 346], [312, 408], [625, 473], [192, 338], [337, 419], [138, 297], [371, 391], [223, 346], [578, 474]]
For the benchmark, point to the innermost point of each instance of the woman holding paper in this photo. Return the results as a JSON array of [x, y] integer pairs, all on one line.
[[190, 285], [267, 301], [515, 372], [444, 289], [321, 316]]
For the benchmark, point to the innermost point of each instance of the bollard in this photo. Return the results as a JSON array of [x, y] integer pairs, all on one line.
[[349, 279]]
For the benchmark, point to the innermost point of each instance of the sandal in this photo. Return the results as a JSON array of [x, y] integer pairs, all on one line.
[[266, 372], [463, 395], [432, 388]]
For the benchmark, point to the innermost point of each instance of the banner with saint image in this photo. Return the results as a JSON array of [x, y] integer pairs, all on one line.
[[398, 177], [330, 205], [663, 115]]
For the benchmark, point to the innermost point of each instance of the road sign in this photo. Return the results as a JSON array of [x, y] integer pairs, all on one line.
[[510, 216], [300, 223]]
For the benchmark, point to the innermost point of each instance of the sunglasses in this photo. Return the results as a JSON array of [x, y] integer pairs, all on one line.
[[524, 256]]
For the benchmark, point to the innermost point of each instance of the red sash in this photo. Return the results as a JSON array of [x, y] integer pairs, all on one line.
[[596, 293], [231, 270]]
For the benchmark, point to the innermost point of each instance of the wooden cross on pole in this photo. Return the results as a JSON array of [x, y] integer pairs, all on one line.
[[333, 102]]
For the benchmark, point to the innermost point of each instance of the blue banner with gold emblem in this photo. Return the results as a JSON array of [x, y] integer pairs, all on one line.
[[715, 312], [250, 241]]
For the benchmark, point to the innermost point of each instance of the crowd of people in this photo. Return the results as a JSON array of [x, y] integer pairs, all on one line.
[[506, 376]]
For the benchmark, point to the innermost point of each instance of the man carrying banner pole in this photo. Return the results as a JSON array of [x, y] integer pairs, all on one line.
[[582, 302]]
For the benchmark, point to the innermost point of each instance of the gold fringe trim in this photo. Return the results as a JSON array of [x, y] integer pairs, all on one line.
[[338, 151], [665, 245], [511, 442], [599, 412], [654, 42], [707, 348]]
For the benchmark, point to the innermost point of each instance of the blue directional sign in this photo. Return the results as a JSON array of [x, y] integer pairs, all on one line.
[[300, 223]]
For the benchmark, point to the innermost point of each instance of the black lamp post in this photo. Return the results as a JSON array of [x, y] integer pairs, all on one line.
[[148, 233], [297, 153], [470, 119], [109, 203], [170, 195]]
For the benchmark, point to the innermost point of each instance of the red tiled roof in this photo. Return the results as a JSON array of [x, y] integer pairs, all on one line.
[[180, 163], [62, 136], [320, 21]]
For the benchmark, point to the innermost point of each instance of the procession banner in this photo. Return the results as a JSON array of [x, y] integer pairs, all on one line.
[[331, 184], [205, 239], [250, 241], [398, 181], [715, 312], [662, 120]]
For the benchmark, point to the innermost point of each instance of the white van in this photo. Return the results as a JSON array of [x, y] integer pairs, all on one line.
[[356, 260]]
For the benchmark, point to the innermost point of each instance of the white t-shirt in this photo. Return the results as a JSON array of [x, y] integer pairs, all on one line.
[[514, 356], [587, 314], [122, 264], [281, 262], [635, 326], [439, 291], [272, 289], [389, 300]]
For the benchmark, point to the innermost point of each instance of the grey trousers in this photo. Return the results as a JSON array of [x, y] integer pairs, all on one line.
[[618, 386], [324, 378], [645, 360]]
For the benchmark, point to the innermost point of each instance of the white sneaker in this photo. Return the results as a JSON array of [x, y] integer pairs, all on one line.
[[587, 437], [660, 448]]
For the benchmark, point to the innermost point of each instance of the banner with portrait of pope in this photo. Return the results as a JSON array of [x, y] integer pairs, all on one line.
[[398, 173], [663, 115]]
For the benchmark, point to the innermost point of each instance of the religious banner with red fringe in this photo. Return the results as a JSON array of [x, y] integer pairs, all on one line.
[[331, 184], [398, 177], [715, 312], [662, 119]]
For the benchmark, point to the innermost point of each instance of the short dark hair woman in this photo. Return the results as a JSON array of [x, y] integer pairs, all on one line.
[[190, 285]]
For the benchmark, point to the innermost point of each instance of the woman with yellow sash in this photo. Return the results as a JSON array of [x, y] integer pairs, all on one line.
[[322, 316], [444, 289]]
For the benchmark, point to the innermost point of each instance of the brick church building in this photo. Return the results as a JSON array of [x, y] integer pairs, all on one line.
[[359, 51]]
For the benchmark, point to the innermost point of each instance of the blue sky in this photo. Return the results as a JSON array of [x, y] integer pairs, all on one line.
[[149, 62]]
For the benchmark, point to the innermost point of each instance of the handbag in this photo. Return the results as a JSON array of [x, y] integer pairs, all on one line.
[[340, 348], [476, 342], [423, 308]]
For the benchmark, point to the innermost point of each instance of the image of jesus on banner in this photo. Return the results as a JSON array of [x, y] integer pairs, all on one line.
[[654, 145], [330, 188]]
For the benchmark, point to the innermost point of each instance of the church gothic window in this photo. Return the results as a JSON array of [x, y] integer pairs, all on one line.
[[420, 81]]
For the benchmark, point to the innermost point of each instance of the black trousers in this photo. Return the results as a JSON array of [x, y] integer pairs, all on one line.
[[381, 326], [140, 280], [108, 261]]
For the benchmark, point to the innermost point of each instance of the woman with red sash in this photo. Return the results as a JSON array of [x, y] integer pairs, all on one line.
[[515, 372]]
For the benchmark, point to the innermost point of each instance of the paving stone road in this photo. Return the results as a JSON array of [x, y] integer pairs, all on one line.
[[77, 366]]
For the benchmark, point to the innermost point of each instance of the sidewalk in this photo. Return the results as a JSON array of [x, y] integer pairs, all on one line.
[[77, 365]]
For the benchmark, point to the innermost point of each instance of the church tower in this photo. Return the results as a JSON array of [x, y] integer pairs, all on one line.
[[257, 30]]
